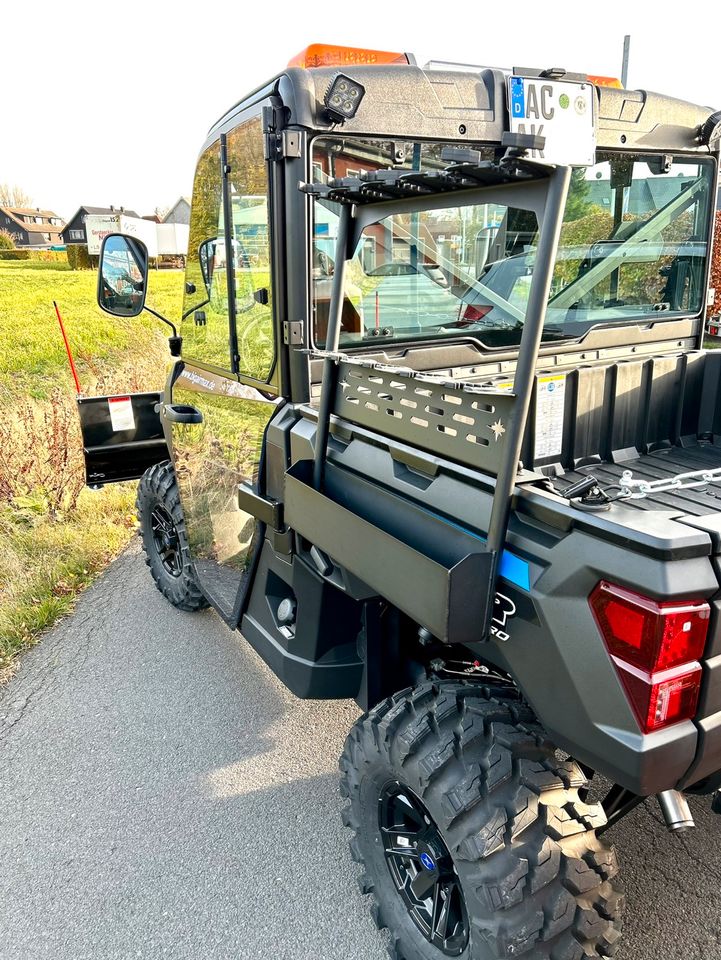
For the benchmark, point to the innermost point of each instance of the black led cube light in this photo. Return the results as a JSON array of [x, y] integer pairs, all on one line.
[[343, 98]]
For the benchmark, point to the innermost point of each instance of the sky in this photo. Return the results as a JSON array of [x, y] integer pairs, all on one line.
[[109, 102]]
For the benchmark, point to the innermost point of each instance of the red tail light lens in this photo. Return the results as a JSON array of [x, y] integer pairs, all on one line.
[[651, 635], [654, 647], [662, 699], [473, 314]]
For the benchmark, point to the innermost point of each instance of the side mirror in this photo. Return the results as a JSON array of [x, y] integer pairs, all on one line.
[[206, 255], [123, 275]]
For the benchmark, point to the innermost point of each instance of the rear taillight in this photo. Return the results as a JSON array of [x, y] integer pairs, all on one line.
[[473, 314], [651, 635], [655, 647]]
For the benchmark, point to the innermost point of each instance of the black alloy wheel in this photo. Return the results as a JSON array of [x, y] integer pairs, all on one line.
[[166, 540], [422, 869]]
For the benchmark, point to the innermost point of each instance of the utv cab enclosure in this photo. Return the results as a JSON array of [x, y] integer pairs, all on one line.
[[439, 435]]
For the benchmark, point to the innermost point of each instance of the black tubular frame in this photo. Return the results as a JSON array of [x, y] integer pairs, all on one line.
[[354, 215], [523, 380], [332, 340]]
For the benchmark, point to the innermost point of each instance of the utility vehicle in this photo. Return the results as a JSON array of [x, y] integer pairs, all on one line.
[[498, 530]]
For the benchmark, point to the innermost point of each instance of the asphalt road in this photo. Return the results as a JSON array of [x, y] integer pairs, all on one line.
[[162, 795]]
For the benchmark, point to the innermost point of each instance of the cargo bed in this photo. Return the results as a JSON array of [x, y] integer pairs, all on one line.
[[661, 464]]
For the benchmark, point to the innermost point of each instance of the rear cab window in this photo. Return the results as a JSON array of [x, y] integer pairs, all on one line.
[[634, 244]]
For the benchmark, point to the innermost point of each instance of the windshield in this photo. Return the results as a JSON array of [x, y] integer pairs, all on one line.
[[633, 246]]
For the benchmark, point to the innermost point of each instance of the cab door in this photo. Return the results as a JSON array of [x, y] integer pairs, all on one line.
[[225, 390]]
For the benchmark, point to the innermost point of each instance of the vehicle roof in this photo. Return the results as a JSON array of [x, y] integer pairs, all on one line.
[[449, 104]]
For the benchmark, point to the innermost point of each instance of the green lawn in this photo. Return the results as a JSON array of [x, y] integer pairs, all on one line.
[[32, 355], [57, 535]]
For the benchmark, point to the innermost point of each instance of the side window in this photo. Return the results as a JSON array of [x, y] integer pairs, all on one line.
[[251, 249], [205, 329]]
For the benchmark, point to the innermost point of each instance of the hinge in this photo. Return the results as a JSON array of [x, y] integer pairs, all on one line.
[[290, 146], [272, 146], [293, 333], [271, 119], [271, 129], [280, 144]]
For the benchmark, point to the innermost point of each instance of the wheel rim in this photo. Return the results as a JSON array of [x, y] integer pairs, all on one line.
[[166, 541], [422, 869]]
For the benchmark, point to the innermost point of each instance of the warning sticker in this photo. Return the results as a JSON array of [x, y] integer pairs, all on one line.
[[121, 413], [550, 404]]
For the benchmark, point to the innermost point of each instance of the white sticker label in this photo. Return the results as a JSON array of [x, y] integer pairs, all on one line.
[[121, 413], [550, 405]]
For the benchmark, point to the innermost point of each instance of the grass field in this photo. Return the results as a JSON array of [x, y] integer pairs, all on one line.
[[57, 535]]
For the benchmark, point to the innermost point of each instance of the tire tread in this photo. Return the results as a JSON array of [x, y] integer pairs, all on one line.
[[159, 485], [537, 880]]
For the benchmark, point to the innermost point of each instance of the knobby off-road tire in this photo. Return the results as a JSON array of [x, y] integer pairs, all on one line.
[[535, 880], [165, 542]]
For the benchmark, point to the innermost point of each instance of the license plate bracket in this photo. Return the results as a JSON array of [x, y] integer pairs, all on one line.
[[561, 111]]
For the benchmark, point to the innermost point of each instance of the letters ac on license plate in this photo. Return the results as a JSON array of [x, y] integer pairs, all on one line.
[[560, 111]]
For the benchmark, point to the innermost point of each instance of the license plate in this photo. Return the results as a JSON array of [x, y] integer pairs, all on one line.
[[558, 110]]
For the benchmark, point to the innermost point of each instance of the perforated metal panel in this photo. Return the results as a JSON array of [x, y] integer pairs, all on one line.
[[460, 421]]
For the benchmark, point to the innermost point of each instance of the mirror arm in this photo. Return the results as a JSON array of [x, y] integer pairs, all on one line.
[[161, 317], [195, 307], [175, 342]]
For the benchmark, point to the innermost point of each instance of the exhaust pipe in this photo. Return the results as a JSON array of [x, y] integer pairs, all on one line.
[[676, 811]]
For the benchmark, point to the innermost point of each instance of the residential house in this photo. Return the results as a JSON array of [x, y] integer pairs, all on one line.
[[179, 212], [74, 229], [31, 227]]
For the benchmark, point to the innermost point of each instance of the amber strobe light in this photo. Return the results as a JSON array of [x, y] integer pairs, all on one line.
[[606, 81], [331, 55], [655, 647]]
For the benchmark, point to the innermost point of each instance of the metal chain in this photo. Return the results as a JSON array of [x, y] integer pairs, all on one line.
[[633, 489]]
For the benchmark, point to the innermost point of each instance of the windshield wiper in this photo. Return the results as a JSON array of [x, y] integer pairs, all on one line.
[[556, 333]]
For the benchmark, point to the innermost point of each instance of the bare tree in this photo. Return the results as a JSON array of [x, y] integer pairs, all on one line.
[[11, 195]]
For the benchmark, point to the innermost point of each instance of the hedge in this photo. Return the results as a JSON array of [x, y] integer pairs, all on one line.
[[78, 257], [25, 253]]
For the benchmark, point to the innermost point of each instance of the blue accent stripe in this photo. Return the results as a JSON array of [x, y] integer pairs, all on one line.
[[515, 570], [511, 567]]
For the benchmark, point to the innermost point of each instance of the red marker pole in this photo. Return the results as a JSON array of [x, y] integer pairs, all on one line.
[[68, 350]]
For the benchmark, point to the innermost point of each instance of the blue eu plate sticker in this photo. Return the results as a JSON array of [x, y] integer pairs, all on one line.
[[518, 98]]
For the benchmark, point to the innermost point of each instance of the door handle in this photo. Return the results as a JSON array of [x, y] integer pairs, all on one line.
[[182, 413]]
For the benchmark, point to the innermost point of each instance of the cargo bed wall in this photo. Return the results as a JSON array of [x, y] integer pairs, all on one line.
[[617, 411]]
